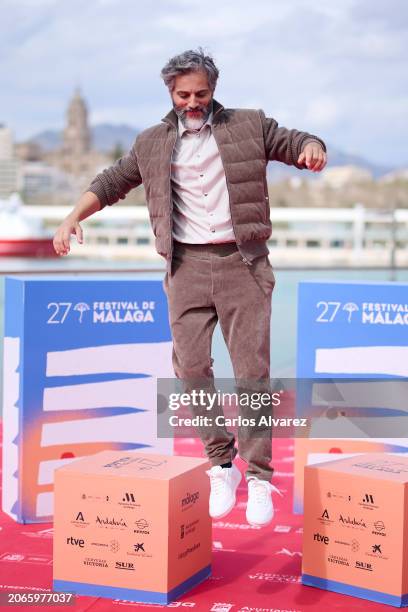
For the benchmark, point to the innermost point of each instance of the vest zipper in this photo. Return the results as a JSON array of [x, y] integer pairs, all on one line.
[[171, 201]]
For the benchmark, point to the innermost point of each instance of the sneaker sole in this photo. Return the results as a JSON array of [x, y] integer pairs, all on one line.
[[255, 524], [259, 524]]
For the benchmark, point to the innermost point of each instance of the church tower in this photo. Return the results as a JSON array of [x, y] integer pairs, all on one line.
[[75, 157], [77, 135]]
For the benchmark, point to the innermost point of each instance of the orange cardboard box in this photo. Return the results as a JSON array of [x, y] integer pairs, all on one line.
[[132, 525], [355, 537]]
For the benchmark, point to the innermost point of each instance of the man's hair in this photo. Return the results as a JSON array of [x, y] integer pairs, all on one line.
[[190, 61]]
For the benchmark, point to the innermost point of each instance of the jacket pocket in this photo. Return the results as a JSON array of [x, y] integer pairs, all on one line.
[[262, 273]]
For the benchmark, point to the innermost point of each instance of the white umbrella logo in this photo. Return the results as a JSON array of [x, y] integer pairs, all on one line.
[[350, 307], [81, 307]]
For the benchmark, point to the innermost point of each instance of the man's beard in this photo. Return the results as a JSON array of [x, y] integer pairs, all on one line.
[[193, 123]]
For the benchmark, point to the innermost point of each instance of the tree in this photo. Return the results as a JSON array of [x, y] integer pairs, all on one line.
[[118, 151]]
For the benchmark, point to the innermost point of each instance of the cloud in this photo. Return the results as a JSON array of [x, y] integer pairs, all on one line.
[[323, 111], [334, 67], [391, 15]]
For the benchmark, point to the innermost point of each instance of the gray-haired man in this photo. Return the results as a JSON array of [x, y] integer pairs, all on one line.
[[204, 171]]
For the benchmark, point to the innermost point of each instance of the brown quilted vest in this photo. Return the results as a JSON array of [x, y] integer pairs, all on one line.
[[246, 140]]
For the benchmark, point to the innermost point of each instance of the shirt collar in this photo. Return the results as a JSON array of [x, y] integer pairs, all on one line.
[[182, 129]]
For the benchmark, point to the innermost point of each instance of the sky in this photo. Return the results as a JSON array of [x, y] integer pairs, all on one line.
[[337, 68]]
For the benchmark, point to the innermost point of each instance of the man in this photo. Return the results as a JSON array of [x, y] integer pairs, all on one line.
[[204, 172]]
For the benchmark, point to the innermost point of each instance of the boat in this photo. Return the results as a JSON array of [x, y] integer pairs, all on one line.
[[20, 234]]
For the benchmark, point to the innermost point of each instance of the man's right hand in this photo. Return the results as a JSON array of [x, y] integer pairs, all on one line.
[[63, 234]]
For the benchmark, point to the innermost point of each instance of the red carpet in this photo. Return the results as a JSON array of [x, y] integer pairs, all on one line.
[[253, 569]]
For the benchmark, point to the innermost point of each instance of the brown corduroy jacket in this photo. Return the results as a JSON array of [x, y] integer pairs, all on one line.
[[246, 140]]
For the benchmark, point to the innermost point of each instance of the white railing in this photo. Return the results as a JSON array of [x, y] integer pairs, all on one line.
[[324, 236]]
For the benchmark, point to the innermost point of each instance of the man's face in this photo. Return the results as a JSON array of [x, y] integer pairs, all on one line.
[[192, 99]]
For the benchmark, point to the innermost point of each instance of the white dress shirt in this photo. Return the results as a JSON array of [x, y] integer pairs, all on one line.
[[201, 212]]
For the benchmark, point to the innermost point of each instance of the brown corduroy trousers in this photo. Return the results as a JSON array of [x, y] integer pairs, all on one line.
[[211, 283]]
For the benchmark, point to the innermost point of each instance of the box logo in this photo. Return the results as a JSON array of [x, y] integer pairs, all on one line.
[[114, 546], [325, 518], [129, 497], [368, 501], [189, 550], [355, 546], [129, 501], [338, 560], [189, 500], [95, 562], [364, 566], [188, 528], [76, 542], [142, 526], [352, 522], [318, 537], [111, 523], [335, 496], [124, 565], [379, 529], [79, 520]]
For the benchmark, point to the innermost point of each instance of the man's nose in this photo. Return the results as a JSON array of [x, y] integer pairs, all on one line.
[[193, 102]]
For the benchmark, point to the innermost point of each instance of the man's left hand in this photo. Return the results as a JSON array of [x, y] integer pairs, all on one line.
[[313, 157]]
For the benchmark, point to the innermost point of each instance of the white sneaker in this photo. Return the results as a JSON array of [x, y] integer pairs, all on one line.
[[260, 507], [224, 483]]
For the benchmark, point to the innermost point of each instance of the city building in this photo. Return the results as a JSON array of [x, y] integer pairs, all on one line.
[[28, 151], [338, 177], [76, 155], [9, 164], [44, 184]]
